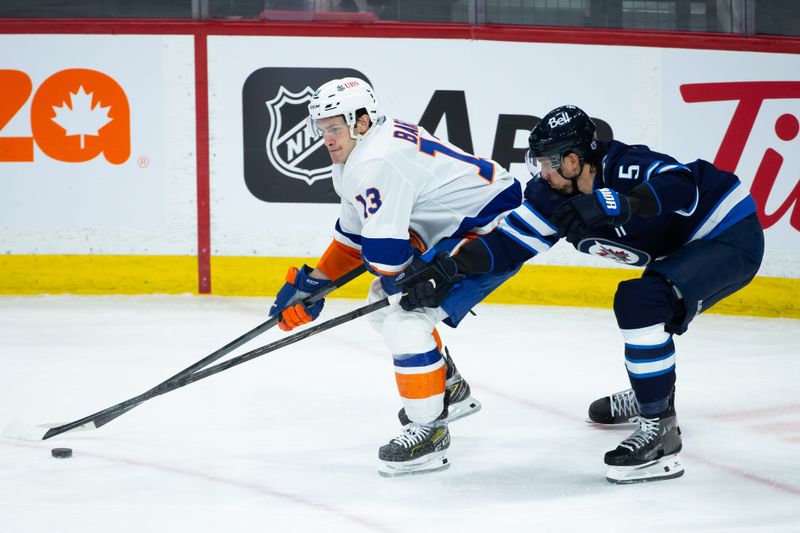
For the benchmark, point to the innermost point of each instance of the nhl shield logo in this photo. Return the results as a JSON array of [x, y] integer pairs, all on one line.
[[283, 160], [290, 139]]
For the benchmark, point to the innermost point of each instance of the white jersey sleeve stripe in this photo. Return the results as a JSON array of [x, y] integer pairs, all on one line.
[[736, 195], [534, 243], [533, 219]]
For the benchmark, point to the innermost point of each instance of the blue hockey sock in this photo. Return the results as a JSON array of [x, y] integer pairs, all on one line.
[[643, 306]]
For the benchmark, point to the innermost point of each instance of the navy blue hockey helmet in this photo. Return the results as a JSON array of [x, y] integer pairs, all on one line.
[[564, 129]]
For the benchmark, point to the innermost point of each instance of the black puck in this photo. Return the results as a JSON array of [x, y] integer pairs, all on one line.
[[62, 453]]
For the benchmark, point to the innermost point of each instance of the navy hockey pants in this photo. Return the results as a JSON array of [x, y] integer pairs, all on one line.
[[672, 291]]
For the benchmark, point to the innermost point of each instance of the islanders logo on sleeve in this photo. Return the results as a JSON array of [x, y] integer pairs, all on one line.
[[284, 161], [614, 251]]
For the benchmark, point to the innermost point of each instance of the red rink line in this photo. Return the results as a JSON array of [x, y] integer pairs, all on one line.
[[759, 413], [738, 472], [252, 487]]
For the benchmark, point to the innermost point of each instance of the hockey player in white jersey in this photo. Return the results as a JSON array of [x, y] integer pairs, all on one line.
[[403, 191]]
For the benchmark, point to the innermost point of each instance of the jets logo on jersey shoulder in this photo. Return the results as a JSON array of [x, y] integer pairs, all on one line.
[[614, 251]]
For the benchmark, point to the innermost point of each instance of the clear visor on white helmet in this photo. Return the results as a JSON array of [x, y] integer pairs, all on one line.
[[342, 97]]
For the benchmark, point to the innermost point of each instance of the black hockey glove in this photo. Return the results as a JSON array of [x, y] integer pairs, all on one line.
[[604, 207], [426, 283]]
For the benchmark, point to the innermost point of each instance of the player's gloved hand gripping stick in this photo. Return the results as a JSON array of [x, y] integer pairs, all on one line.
[[291, 302], [192, 373], [428, 279]]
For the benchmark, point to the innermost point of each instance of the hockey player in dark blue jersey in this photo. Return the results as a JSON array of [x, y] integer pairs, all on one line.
[[692, 226]]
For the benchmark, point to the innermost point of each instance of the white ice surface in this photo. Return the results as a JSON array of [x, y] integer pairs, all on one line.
[[288, 442]]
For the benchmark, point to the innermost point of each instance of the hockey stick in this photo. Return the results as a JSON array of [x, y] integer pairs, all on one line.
[[19, 430], [286, 341], [45, 432]]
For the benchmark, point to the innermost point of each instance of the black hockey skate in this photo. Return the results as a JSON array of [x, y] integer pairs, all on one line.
[[619, 408], [419, 449], [649, 454], [458, 401]]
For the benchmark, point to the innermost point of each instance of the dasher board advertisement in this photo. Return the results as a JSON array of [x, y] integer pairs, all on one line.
[[259, 86], [97, 137]]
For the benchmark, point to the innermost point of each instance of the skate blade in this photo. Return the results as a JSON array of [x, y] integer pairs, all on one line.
[[626, 422], [430, 463], [458, 410], [668, 467]]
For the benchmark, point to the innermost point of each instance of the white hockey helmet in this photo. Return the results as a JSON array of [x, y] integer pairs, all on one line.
[[345, 97]]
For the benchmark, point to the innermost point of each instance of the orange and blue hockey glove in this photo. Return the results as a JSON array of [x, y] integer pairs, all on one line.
[[288, 303]]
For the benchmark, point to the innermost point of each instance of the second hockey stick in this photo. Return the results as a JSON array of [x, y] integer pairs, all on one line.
[[19, 430]]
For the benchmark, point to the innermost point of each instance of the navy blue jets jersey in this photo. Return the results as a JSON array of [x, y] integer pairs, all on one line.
[[696, 201]]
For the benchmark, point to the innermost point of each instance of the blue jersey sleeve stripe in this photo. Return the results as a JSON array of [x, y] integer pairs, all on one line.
[[387, 255], [353, 238], [650, 169], [655, 195]]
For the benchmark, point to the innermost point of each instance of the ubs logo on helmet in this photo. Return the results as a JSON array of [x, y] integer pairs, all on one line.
[[283, 159]]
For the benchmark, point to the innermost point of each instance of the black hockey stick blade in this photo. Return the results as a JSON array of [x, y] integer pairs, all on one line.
[[20, 430]]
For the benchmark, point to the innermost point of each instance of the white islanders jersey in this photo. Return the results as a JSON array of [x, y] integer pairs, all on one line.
[[400, 184]]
